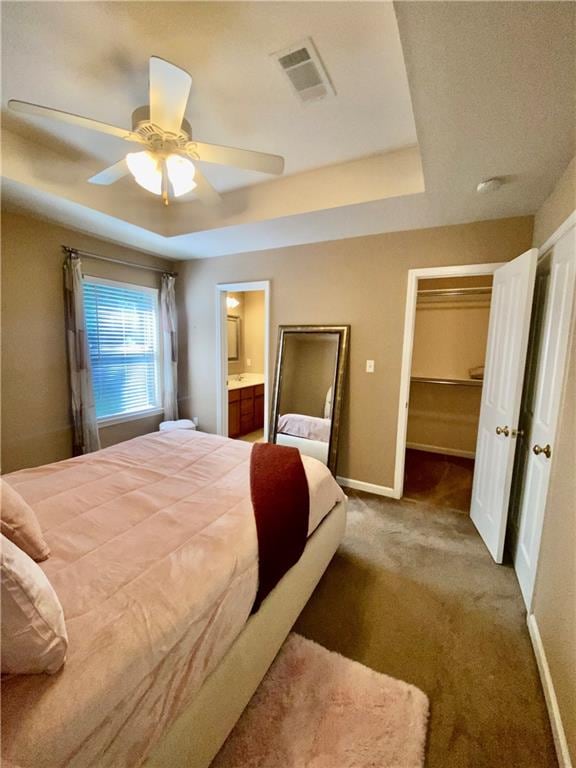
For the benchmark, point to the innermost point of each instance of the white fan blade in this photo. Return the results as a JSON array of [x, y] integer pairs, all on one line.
[[204, 190], [67, 117], [239, 158], [111, 174], [169, 91]]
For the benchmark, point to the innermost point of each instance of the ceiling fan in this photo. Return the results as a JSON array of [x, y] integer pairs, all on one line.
[[166, 162]]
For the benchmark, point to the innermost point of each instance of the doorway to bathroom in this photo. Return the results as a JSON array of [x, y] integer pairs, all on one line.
[[242, 369]]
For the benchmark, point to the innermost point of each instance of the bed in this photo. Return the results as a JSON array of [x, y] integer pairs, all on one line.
[[163, 654], [308, 427], [309, 434]]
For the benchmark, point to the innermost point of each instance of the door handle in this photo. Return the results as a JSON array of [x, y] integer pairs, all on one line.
[[547, 451], [503, 431]]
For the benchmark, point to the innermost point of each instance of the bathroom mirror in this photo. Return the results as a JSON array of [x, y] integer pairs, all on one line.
[[309, 388], [233, 328]]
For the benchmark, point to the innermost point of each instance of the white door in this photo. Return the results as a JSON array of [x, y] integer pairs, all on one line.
[[542, 404], [528, 396], [508, 333]]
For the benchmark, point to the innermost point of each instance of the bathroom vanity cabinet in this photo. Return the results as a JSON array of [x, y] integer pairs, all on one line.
[[245, 410]]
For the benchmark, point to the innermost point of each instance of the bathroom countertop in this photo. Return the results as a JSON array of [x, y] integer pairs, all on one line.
[[246, 380]]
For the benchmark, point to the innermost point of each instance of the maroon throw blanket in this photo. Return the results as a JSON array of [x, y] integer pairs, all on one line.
[[281, 502]]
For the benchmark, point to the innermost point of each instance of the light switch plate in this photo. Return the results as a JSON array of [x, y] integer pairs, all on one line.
[[369, 366]]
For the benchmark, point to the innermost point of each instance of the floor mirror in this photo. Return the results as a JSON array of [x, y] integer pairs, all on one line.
[[311, 362]]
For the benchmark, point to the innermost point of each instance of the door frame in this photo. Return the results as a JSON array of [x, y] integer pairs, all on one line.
[[565, 340], [414, 275], [221, 344]]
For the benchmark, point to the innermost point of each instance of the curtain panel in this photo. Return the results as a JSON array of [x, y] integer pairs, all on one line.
[[168, 323], [83, 407]]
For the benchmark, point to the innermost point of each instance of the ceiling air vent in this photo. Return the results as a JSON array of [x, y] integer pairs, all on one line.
[[304, 69]]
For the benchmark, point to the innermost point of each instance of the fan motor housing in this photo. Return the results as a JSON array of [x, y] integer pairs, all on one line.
[[155, 135]]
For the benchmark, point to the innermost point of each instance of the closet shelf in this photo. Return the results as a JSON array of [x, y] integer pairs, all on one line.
[[453, 382]]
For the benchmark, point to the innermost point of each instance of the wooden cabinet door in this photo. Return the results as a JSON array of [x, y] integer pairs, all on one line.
[[259, 406], [246, 410], [259, 412], [233, 418], [246, 424]]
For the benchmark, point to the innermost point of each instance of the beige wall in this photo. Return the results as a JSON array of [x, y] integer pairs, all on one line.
[[555, 593], [35, 398], [308, 370], [444, 417], [254, 329], [361, 282], [557, 207], [449, 339]]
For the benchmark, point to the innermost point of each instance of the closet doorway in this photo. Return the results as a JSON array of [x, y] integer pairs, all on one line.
[[450, 335], [446, 330]]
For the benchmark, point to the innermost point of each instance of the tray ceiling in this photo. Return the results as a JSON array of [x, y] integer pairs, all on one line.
[[483, 103]]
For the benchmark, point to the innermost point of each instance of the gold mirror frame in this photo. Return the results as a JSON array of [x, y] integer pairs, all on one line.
[[343, 333]]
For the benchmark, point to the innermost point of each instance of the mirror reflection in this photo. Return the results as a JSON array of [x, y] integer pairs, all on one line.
[[233, 331], [309, 377]]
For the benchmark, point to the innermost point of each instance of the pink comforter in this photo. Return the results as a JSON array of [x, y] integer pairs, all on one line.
[[154, 558], [308, 427]]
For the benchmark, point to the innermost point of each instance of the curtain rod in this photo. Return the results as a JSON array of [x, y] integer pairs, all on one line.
[[89, 255]]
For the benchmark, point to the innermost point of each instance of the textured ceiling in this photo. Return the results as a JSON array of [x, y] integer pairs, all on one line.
[[492, 87]]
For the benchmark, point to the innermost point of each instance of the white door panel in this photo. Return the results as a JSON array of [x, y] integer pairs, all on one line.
[[542, 404], [535, 488], [508, 333]]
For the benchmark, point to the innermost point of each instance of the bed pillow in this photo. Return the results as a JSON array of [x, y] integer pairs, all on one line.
[[33, 635], [20, 524]]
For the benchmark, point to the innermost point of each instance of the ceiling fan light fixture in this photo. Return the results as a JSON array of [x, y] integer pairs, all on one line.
[[180, 173], [146, 170], [164, 167]]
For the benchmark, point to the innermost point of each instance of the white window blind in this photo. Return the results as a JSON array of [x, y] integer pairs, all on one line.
[[122, 327]]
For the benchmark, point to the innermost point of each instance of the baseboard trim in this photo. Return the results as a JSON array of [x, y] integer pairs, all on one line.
[[446, 451], [560, 741], [360, 485]]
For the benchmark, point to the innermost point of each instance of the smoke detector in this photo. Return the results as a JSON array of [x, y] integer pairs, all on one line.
[[489, 185], [302, 65]]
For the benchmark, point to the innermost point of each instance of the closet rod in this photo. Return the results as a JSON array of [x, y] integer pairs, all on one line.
[[450, 382], [124, 262], [454, 291]]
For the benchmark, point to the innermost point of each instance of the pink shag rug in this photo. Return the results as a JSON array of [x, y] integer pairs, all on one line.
[[317, 709]]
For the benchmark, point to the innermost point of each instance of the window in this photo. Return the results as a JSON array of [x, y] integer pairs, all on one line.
[[122, 327]]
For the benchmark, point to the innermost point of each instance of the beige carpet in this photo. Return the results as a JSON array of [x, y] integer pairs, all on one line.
[[414, 594], [316, 709]]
